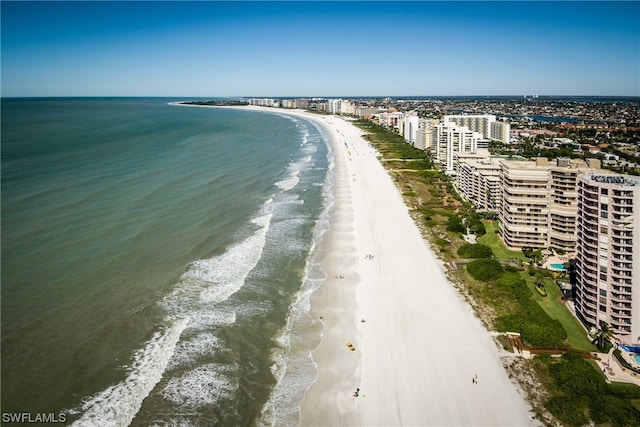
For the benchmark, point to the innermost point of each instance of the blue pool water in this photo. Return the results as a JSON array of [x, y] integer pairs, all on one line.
[[636, 357], [557, 266]]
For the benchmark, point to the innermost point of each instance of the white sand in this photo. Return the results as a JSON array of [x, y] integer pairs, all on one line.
[[420, 345]]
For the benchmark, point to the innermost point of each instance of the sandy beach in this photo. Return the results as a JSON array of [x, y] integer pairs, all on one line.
[[421, 357]]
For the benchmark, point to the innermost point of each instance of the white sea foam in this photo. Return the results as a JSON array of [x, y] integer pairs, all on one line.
[[288, 183], [187, 351], [200, 387], [211, 281], [293, 367], [118, 404], [190, 306], [202, 320]]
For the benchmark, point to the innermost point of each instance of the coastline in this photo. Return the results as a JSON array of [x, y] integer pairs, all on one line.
[[418, 345]]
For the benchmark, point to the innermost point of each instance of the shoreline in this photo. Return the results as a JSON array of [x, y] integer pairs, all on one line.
[[419, 347]]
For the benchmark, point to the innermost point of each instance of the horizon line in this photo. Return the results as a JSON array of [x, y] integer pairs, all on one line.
[[527, 96]]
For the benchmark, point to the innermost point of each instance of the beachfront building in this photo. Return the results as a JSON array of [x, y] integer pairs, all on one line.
[[478, 179], [448, 139], [301, 103], [524, 208], [486, 124], [390, 119], [424, 134], [347, 107], [538, 205], [363, 110], [500, 131], [333, 106], [409, 127], [264, 102], [474, 122], [608, 232]]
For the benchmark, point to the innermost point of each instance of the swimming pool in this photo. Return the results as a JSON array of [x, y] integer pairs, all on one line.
[[559, 267], [636, 357]]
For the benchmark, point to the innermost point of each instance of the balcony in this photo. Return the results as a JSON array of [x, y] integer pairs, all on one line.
[[623, 267], [617, 201], [589, 313], [587, 275], [592, 243], [591, 228], [590, 218], [591, 297], [621, 313], [626, 306], [620, 298]]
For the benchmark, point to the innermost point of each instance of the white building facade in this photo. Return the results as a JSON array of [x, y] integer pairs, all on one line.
[[451, 138], [486, 124], [607, 264]]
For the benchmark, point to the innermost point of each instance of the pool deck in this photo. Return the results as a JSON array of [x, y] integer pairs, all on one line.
[[615, 372], [556, 259]]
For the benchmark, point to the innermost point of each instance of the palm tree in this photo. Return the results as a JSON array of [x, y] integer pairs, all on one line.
[[604, 333]]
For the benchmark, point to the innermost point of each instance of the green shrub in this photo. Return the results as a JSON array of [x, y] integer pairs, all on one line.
[[529, 319], [485, 269], [584, 395], [477, 227], [569, 410], [454, 224], [512, 281], [474, 223], [442, 242], [468, 250]]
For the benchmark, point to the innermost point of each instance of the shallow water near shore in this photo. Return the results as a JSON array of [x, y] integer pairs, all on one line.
[[158, 261]]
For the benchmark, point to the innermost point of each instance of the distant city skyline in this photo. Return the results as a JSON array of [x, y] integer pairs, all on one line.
[[280, 49]]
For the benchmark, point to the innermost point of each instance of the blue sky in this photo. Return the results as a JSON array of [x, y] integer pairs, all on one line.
[[320, 48]]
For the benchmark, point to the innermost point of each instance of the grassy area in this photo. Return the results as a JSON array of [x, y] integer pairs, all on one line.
[[492, 240], [552, 304]]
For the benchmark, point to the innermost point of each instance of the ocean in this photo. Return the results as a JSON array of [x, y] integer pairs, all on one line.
[[158, 261]]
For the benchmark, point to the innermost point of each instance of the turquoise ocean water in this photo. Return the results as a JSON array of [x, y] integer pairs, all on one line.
[[158, 261]]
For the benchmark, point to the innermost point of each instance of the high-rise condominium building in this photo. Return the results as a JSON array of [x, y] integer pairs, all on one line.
[[478, 179], [485, 124], [539, 202], [524, 209], [448, 139], [500, 131], [607, 253], [474, 122], [410, 124], [424, 134], [334, 105]]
